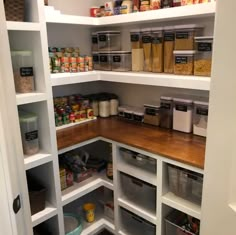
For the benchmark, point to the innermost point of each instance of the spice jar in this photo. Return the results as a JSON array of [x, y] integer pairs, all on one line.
[[29, 132], [147, 49], [157, 50], [200, 118], [184, 36], [22, 62], [114, 102], [104, 107], [94, 39], [166, 112], [183, 62], [182, 115], [137, 50], [169, 44], [203, 56]]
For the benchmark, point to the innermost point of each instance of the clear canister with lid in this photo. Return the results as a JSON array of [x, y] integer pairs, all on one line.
[[157, 50], [184, 36], [200, 118], [104, 106], [114, 103], [169, 45], [166, 112], [121, 61], [109, 41], [203, 56], [96, 64], [137, 50], [29, 132], [105, 61], [22, 62], [94, 40], [147, 49], [182, 115]]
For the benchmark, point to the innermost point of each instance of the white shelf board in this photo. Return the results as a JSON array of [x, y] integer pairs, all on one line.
[[158, 79], [44, 215], [169, 14], [32, 97], [138, 172], [181, 204], [23, 26], [129, 205], [80, 189], [37, 160], [59, 79], [75, 123]]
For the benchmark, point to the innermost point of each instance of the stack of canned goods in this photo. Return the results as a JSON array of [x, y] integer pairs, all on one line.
[[68, 60]]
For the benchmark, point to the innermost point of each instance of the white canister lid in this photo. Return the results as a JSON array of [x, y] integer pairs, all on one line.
[[152, 106], [108, 32], [187, 52], [188, 26], [146, 30], [21, 53], [155, 29], [169, 98], [182, 100], [203, 38], [169, 28], [135, 31], [205, 103]]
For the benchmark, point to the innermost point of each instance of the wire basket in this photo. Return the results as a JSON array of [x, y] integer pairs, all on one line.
[[14, 10]]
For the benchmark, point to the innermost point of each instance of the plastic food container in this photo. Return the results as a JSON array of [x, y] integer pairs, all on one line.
[[129, 113], [134, 224], [184, 36], [200, 118], [96, 65], [29, 132], [157, 50], [169, 44], [121, 111], [183, 62], [73, 225], [203, 57], [94, 39], [121, 61], [152, 114], [139, 192], [147, 49], [22, 62], [182, 115], [166, 112], [136, 39], [138, 115], [105, 61], [109, 41]]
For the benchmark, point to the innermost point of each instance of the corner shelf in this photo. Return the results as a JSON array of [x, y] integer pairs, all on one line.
[[181, 204], [44, 215], [23, 26], [28, 98]]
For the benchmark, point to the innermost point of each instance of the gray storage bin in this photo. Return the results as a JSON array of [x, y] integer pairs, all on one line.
[[179, 223], [139, 192], [138, 160], [185, 183], [135, 225]]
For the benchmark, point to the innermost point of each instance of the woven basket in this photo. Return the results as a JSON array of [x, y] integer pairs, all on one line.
[[14, 10]]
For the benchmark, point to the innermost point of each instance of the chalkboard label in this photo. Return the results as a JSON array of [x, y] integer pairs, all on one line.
[[165, 106], [95, 58], [103, 58], [146, 39], [202, 111], [102, 38], [134, 38], [181, 107], [26, 72], [169, 37], [116, 59], [181, 60], [204, 46], [157, 40], [182, 35], [94, 40], [32, 135]]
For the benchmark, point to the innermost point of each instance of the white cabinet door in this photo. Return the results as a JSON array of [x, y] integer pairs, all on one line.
[[219, 193]]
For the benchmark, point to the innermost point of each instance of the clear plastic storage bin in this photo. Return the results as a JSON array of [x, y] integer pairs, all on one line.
[[29, 132], [109, 41], [182, 115], [105, 61], [96, 65], [203, 56], [139, 192], [184, 36], [185, 183], [121, 61], [138, 160], [135, 225], [200, 118]]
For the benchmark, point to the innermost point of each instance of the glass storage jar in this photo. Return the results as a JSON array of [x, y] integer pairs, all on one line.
[[203, 57], [22, 62], [200, 118], [182, 115], [121, 61], [147, 49], [109, 41], [96, 65], [184, 36], [105, 61], [169, 44], [29, 132], [166, 112], [157, 50], [183, 62], [94, 39]]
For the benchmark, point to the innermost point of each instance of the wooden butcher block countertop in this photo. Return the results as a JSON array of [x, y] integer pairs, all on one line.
[[178, 146]]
